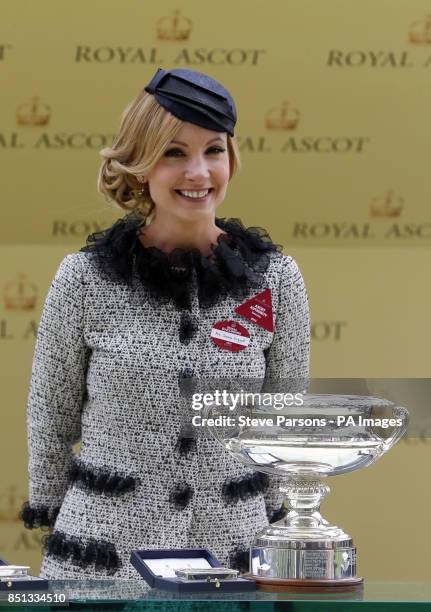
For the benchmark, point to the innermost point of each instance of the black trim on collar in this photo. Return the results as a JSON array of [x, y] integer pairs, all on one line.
[[236, 265]]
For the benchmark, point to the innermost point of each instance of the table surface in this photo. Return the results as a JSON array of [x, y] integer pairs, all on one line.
[[133, 590], [136, 596]]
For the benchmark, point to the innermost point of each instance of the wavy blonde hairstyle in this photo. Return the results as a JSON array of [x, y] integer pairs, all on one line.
[[146, 131]]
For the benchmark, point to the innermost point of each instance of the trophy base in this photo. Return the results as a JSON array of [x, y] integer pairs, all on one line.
[[307, 586], [323, 562]]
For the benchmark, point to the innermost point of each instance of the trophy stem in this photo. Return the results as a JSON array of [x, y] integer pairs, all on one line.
[[304, 494]]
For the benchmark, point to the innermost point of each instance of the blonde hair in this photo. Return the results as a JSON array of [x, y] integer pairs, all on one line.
[[146, 131]]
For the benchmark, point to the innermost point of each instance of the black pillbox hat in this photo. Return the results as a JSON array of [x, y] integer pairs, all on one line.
[[194, 97]]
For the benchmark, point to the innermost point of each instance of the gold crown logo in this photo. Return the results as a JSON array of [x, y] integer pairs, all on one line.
[[284, 117], [20, 295], [33, 113], [10, 506], [420, 31], [174, 27], [389, 205]]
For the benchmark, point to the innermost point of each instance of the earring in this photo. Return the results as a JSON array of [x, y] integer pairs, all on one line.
[[144, 192]]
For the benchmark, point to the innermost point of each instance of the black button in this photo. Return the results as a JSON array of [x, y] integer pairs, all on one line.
[[181, 496], [186, 373], [185, 445], [188, 328], [186, 383]]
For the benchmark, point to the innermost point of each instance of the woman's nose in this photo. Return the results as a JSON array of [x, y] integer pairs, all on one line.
[[196, 169]]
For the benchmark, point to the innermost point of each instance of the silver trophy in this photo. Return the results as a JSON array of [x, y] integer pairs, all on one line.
[[325, 436]]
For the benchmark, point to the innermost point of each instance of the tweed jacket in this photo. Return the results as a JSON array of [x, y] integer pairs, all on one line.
[[123, 327]]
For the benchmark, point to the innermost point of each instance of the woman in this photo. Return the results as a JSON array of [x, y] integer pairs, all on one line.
[[128, 320]]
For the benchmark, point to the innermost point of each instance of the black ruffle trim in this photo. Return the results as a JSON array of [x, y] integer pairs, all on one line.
[[240, 560], [238, 260], [34, 518], [70, 548], [99, 480], [181, 496], [278, 514], [245, 487]]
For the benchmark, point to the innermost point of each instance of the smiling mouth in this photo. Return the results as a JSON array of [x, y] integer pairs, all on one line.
[[194, 194]]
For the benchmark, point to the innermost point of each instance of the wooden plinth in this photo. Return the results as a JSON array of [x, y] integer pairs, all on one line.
[[307, 586]]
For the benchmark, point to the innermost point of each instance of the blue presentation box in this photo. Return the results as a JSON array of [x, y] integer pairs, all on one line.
[[157, 567], [29, 583]]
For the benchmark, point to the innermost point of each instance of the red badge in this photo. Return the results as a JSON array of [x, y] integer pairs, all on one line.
[[258, 310], [230, 335]]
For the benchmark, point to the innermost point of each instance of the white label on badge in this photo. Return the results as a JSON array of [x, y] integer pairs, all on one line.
[[229, 337]]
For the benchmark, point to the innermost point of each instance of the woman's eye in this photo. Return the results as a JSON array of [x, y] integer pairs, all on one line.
[[173, 153], [216, 150], [180, 153]]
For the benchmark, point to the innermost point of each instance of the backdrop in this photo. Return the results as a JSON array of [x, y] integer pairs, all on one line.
[[333, 103]]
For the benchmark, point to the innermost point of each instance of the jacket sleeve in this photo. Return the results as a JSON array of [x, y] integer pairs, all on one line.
[[57, 388], [287, 359]]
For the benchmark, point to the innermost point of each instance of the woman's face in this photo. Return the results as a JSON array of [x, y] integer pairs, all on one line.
[[190, 180]]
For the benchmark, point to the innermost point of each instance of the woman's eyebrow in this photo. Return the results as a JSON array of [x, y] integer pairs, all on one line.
[[186, 145]]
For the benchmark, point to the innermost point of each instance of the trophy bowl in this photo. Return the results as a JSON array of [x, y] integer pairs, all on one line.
[[324, 436]]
